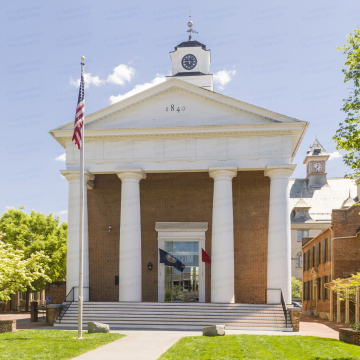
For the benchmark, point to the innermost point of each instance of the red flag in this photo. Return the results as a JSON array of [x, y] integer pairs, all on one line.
[[205, 257]]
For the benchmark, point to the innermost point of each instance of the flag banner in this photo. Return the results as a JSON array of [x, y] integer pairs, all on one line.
[[168, 259], [205, 257], [80, 113]]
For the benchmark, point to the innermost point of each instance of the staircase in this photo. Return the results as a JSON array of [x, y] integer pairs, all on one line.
[[179, 316]]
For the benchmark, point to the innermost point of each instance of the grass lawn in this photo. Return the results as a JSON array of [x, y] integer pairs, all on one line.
[[261, 347], [50, 344]]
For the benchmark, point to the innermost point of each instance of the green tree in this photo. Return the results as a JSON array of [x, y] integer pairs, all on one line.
[[347, 137], [36, 232], [296, 287], [17, 273]]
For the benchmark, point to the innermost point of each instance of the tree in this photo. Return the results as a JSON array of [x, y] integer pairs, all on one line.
[[17, 273], [33, 233], [347, 288], [296, 287], [348, 135]]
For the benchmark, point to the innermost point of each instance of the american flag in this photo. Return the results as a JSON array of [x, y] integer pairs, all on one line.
[[80, 113]]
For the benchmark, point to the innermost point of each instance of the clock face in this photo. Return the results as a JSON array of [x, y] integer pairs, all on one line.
[[188, 61], [317, 167]]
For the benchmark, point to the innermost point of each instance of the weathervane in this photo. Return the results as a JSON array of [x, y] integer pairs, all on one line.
[[190, 31]]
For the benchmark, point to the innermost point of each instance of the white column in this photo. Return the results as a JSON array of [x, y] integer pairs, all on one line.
[[331, 305], [73, 234], [279, 236], [222, 242], [347, 311], [338, 308], [130, 235], [357, 298]]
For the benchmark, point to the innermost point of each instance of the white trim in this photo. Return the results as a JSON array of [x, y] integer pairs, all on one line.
[[181, 231]]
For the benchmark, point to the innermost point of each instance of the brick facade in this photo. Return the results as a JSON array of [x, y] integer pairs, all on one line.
[[56, 291], [316, 264], [342, 260], [346, 244], [179, 197]]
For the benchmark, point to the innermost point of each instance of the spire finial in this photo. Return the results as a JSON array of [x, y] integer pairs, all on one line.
[[301, 194], [190, 24]]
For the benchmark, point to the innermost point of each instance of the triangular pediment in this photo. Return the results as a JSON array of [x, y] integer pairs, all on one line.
[[176, 103], [176, 107]]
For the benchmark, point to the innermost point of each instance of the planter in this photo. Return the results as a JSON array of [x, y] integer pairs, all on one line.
[[349, 336]]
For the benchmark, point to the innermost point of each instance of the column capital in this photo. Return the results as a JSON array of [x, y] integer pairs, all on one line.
[[223, 172], [130, 174], [74, 175], [279, 171]]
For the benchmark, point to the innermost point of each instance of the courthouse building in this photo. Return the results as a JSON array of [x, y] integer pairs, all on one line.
[[181, 167]]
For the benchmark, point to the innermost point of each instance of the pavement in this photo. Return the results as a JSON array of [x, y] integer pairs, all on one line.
[[151, 344]]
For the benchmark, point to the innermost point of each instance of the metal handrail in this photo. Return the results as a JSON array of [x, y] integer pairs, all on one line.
[[283, 306], [63, 306], [282, 302]]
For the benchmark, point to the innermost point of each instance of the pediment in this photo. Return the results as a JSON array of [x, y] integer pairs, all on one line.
[[176, 103]]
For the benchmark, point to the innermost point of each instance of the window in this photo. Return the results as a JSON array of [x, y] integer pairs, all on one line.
[[302, 233], [302, 212], [304, 262], [317, 262], [308, 260], [324, 249], [299, 260], [312, 253]]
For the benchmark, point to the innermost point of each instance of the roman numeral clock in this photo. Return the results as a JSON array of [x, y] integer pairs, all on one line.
[[189, 61]]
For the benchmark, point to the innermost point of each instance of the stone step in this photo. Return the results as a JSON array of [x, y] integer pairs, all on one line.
[[179, 315]]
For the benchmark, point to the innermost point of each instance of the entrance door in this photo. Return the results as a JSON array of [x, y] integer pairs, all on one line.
[[182, 286]]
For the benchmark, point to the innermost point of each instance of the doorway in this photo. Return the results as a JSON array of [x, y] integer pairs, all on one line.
[[182, 286]]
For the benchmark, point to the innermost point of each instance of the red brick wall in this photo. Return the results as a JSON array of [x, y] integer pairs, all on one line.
[[104, 211], [346, 251], [179, 197], [251, 192], [345, 222], [324, 269], [57, 291]]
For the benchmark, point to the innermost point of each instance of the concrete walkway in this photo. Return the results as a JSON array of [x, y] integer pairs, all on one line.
[[151, 344]]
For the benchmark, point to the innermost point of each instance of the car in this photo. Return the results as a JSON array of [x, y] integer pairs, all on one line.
[[296, 304]]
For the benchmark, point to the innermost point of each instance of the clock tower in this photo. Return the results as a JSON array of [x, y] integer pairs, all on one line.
[[191, 62], [315, 162]]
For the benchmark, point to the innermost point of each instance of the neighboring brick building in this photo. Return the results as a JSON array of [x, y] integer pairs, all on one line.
[[312, 200], [332, 254]]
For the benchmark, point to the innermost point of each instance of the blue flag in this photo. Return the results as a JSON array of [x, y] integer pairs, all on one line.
[[166, 258]]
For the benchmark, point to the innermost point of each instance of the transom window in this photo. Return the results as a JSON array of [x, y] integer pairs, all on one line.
[[301, 234], [299, 260]]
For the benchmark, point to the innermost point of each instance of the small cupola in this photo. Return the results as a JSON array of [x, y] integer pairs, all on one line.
[[300, 211], [191, 62], [348, 202]]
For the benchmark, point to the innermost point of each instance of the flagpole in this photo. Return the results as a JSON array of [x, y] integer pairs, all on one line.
[[81, 237]]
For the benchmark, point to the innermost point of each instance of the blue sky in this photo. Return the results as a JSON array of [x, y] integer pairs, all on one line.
[[279, 55]]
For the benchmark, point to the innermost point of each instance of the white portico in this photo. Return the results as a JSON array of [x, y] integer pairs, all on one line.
[[179, 127]]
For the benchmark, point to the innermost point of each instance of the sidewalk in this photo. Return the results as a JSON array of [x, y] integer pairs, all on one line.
[[23, 321], [150, 344]]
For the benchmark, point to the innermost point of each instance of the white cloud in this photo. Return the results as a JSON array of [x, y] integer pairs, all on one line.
[[121, 75], [138, 88], [89, 80], [61, 157], [335, 155], [9, 207], [223, 77], [62, 212]]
